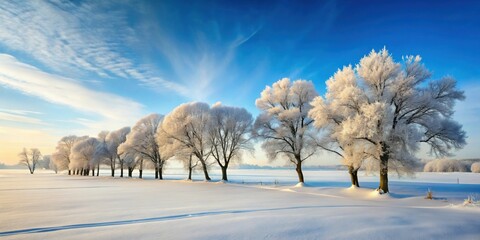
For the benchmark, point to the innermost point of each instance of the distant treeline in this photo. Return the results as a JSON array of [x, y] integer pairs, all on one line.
[[452, 165]]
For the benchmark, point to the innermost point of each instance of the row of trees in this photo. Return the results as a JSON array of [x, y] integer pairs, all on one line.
[[379, 111], [192, 133]]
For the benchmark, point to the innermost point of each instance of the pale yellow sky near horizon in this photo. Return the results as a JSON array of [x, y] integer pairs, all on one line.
[[12, 139]]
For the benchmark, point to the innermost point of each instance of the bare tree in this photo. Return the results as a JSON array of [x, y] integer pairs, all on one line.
[[188, 125], [284, 124], [392, 108], [30, 158], [229, 132]]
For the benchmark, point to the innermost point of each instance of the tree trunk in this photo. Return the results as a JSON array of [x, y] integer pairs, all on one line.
[[160, 173], [112, 166], [121, 169], [98, 169], [224, 173], [384, 176], [190, 167], [384, 169], [205, 172], [130, 171], [299, 172], [93, 172], [353, 176], [156, 172], [69, 172], [190, 170], [140, 173]]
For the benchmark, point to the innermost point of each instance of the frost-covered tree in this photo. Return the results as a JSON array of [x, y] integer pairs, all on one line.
[[140, 165], [475, 168], [342, 99], [61, 156], [445, 165], [190, 162], [352, 154], [49, 163], [109, 146], [83, 155], [45, 162], [284, 124], [393, 107], [188, 126], [30, 158], [100, 152], [142, 142], [130, 161], [229, 132]]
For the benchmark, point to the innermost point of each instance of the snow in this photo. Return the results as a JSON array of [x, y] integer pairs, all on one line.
[[254, 204]]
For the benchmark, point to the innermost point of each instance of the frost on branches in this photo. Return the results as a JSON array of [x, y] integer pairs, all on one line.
[[384, 110], [61, 156], [284, 124], [30, 158], [83, 156], [109, 147], [141, 143], [188, 126], [229, 131]]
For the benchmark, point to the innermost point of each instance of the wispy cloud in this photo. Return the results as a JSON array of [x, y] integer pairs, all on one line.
[[78, 37], [20, 111], [18, 116], [114, 109], [206, 62]]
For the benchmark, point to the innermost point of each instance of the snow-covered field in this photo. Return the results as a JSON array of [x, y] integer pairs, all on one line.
[[256, 204]]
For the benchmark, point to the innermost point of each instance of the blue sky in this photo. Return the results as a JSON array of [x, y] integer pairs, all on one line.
[[84, 66]]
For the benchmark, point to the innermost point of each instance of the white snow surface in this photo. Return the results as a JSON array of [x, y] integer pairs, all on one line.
[[254, 204]]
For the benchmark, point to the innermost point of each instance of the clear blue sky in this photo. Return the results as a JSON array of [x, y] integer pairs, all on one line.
[[83, 66]]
